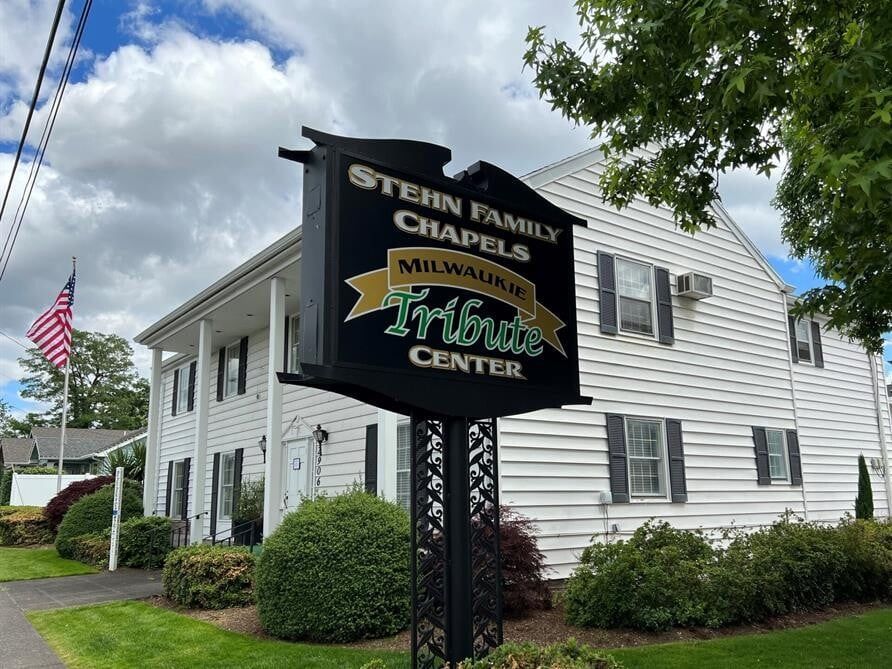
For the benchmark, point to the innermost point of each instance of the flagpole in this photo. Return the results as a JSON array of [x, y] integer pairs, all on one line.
[[65, 402]]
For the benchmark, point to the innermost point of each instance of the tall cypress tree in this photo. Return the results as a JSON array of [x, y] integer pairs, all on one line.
[[864, 500]]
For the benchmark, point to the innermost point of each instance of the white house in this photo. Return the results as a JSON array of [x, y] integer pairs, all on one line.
[[707, 412]]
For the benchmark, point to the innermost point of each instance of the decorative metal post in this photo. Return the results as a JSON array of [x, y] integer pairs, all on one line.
[[456, 577]]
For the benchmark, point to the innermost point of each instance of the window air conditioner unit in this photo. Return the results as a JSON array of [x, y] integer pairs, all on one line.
[[695, 286]]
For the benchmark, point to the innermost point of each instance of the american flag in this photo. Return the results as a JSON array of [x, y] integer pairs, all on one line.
[[52, 330]]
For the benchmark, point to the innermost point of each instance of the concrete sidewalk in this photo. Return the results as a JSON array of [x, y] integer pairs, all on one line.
[[21, 647]]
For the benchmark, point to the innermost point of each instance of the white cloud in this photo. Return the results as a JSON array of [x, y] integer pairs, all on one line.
[[747, 197]]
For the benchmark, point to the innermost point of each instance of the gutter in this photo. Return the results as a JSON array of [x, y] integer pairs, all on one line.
[[884, 452]]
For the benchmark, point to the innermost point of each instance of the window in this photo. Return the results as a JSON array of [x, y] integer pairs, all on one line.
[[227, 482], [647, 469], [634, 285], [230, 386], [177, 489], [403, 464], [803, 340], [294, 345], [777, 455], [182, 389]]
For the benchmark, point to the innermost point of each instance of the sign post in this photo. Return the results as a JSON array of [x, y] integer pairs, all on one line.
[[451, 300], [116, 519]]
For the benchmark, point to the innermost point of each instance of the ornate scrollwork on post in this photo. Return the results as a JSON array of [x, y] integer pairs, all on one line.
[[485, 564]]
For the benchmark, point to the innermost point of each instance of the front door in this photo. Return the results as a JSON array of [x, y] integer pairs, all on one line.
[[297, 472]]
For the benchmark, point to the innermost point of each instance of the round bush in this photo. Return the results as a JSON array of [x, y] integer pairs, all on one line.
[[144, 542], [209, 577], [336, 570], [57, 507], [93, 513], [24, 526]]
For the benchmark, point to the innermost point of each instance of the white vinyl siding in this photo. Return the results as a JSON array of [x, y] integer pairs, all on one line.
[[634, 286], [182, 389], [803, 341], [230, 380], [777, 455], [647, 457], [403, 464], [294, 345], [227, 483]]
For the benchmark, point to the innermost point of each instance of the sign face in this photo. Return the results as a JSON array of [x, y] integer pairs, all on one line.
[[295, 464], [424, 293]]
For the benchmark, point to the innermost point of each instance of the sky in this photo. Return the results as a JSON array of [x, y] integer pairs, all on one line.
[[162, 174]]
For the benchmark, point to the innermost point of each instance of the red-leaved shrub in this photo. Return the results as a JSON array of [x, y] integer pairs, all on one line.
[[524, 588], [58, 506]]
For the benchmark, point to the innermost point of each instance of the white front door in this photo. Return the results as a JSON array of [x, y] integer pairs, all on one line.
[[297, 472]]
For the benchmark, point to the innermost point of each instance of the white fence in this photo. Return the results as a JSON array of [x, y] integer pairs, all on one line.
[[38, 489]]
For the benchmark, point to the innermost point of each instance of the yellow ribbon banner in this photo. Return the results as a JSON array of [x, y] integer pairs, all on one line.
[[422, 266]]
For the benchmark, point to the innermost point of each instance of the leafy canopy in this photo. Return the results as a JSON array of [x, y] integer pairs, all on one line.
[[713, 85], [105, 390]]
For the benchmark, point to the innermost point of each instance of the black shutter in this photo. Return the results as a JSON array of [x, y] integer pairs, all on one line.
[[169, 488], [285, 367], [677, 482], [221, 372], [795, 457], [215, 488], [176, 387], [818, 350], [371, 458], [760, 440], [607, 292], [619, 466], [184, 510], [242, 365], [191, 401], [665, 326], [794, 351], [237, 480]]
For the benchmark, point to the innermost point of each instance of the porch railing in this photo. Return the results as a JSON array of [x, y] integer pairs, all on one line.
[[248, 533]]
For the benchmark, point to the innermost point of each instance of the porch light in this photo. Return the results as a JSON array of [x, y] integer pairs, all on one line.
[[262, 444], [320, 435]]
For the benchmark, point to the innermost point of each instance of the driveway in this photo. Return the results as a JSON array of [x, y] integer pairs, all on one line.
[[21, 646]]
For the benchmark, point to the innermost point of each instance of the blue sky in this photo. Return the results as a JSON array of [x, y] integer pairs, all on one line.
[[162, 161]]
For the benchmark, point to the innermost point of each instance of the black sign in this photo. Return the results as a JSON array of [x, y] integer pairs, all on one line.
[[421, 292]]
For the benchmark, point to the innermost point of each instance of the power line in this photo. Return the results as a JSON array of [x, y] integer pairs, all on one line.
[[13, 339], [50, 123], [18, 154]]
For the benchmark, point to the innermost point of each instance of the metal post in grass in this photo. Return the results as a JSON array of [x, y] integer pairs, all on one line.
[[116, 519]]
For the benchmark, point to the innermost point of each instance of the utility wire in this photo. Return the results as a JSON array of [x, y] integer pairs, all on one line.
[[13, 339], [50, 123], [18, 154]]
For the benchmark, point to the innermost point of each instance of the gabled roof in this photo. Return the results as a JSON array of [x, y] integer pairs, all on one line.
[[80, 442], [589, 157], [15, 450]]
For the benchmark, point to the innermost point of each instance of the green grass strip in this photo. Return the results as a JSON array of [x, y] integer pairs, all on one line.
[[20, 564]]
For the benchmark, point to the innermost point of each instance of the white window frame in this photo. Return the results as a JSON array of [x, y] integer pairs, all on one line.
[[664, 460], [620, 297], [294, 344], [182, 389], [808, 340], [403, 470], [227, 390], [226, 488], [785, 456], [177, 488]]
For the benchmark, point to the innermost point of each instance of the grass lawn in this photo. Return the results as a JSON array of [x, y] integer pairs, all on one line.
[[19, 564], [131, 634]]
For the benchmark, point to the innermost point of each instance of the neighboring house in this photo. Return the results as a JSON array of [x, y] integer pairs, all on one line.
[[706, 412], [85, 448], [17, 452]]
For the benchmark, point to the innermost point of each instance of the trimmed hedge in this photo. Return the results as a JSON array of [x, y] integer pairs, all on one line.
[[93, 513], [565, 655], [92, 549], [5, 486], [144, 542], [209, 577], [336, 570], [58, 506], [24, 526]]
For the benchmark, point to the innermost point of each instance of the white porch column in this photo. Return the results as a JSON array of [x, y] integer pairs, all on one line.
[[153, 437], [202, 405], [387, 429], [272, 487]]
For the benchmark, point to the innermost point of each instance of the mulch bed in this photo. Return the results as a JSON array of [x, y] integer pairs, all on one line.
[[543, 627]]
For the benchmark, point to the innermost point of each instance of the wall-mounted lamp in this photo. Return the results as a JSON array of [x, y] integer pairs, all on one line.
[[262, 444], [320, 435]]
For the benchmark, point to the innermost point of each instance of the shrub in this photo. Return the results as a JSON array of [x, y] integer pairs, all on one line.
[[92, 549], [24, 526], [566, 655], [867, 547], [209, 577], [524, 588], [5, 486], [336, 570], [37, 469], [93, 513], [57, 507], [652, 581], [864, 500], [144, 542]]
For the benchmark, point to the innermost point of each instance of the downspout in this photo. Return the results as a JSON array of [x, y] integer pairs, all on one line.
[[793, 392], [881, 430]]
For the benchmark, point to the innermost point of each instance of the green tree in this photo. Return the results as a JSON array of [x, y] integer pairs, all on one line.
[[713, 85], [6, 427], [104, 391], [864, 500]]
